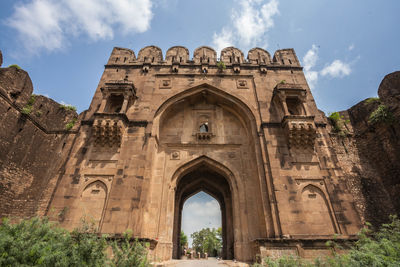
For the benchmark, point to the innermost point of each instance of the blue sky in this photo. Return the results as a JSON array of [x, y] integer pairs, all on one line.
[[345, 46]]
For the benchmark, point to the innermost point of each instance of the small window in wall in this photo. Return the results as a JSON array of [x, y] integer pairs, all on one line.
[[114, 104], [294, 106], [204, 128]]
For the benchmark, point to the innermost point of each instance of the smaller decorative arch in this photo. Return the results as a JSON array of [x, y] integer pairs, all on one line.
[[177, 54], [317, 213], [259, 56], [92, 202], [150, 54], [232, 55], [205, 55]]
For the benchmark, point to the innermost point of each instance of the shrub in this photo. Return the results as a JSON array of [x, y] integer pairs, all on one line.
[[338, 123], [381, 114], [38, 242], [221, 65], [70, 124], [68, 107], [380, 248], [127, 253], [15, 66], [27, 109], [372, 100]]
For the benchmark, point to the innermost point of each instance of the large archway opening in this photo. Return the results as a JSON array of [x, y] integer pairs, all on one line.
[[201, 217], [216, 185]]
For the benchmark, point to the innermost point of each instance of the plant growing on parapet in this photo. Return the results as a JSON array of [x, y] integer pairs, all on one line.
[[381, 114], [221, 65], [282, 82], [15, 66], [29, 106], [70, 124], [68, 107], [338, 123], [372, 100]]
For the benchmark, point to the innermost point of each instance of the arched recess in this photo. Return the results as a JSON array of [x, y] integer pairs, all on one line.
[[318, 217], [205, 174], [217, 96], [92, 202]]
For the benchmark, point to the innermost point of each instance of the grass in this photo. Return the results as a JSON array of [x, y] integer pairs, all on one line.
[[15, 66], [70, 124], [68, 107], [381, 114]]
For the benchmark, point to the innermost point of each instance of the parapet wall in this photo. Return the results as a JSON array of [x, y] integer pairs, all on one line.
[[203, 55], [33, 144]]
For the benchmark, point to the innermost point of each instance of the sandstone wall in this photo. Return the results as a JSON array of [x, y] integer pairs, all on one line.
[[370, 154], [33, 143]]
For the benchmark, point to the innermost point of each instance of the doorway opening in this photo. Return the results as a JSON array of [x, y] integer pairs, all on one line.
[[205, 179], [201, 225]]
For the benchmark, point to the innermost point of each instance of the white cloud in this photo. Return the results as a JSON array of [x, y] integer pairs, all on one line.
[[351, 47], [48, 24], [337, 69], [309, 62], [198, 215], [250, 23], [222, 40]]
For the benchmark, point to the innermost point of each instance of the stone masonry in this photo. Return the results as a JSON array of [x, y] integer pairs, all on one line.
[[159, 130]]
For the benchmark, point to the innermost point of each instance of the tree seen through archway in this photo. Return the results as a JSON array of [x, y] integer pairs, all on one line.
[[201, 223]]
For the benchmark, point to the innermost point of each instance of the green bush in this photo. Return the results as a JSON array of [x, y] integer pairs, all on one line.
[[15, 66], [70, 124], [372, 100], [381, 114], [380, 248], [27, 110], [68, 107], [221, 65], [38, 242], [127, 253], [338, 123]]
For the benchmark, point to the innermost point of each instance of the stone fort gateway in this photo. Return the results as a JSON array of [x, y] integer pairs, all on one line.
[[245, 130]]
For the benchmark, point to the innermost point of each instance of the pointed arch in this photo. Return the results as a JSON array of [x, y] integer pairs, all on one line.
[[318, 217], [205, 174], [222, 98], [92, 202]]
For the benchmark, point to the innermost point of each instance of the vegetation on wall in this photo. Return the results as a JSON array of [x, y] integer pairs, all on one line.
[[338, 123], [29, 106], [221, 65], [381, 114], [15, 66], [38, 242], [373, 248], [70, 124], [68, 107], [372, 100]]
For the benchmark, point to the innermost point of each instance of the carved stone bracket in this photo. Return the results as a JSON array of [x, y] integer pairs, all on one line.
[[204, 136], [300, 130], [107, 130]]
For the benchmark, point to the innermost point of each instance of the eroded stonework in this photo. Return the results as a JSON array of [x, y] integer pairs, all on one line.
[[250, 135]]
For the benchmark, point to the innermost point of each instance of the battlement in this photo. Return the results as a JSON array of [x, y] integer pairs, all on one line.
[[204, 55]]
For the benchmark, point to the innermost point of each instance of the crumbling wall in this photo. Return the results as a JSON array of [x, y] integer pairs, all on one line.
[[370, 154], [33, 142]]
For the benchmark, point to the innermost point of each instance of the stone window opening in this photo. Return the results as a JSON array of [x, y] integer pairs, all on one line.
[[294, 106], [238, 59], [115, 103], [290, 62], [203, 128]]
